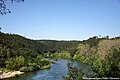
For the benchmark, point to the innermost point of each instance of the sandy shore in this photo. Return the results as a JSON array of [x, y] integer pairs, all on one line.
[[10, 74]]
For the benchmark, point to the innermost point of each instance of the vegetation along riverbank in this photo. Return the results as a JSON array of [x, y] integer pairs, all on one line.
[[22, 54]]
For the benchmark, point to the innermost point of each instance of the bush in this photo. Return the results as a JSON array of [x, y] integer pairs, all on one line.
[[65, 55], [31, 68], [10, 63], [15, 63], [24, 69], [45, 62], [34, 65]]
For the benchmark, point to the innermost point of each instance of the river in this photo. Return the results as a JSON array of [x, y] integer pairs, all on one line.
[[56, 71]]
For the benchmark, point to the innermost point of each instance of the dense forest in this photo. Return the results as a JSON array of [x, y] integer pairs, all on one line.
[[20, 53]]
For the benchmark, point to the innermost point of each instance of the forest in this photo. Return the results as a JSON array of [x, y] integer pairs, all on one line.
[[20, 53], [17, 52]]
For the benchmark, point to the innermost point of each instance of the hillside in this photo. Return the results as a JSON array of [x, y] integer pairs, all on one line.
[[20, 53], [104, 57], [12, 45]]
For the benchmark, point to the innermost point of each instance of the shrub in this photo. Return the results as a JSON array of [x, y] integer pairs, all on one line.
[[34, 66], [24, 69], [15, 63], [31, 68]]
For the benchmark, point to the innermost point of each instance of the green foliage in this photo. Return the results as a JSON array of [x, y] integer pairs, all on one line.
[[12, 45], [92, 41], [38, 63], [63, 55], [20, 61], [34, 66], [72, 51], [74, 73], [98, 67], [80, 58], [45, 62], [15, 63], [24, 69], [113, 62], [38, 58], [17, 51], [108, 67], [55, 55], [103, 57], [9, 63], [76, 57]]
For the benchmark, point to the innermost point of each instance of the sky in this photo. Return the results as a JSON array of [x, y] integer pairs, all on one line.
[[62, 19]]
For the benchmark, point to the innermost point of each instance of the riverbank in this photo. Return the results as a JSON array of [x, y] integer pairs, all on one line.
[[10, 74], [6, 73]]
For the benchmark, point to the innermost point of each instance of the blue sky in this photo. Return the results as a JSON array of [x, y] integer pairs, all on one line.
[[63, 19]]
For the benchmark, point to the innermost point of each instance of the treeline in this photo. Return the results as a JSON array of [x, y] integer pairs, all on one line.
[[17, 51], [54, 46]]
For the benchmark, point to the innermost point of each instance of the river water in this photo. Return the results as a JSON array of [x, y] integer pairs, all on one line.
[[56, 71]]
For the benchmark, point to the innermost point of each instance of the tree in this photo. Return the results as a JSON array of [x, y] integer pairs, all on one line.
[[0, 29], [15, 63], [3, 6], [113, 64], [73, 73], [93, 41]]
